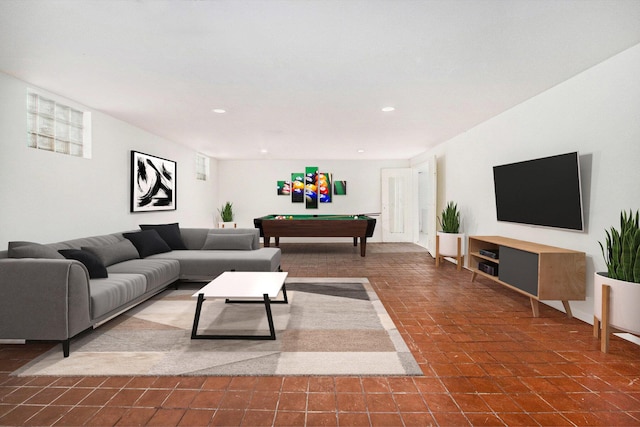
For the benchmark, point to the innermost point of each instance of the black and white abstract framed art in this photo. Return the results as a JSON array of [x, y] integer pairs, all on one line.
[[153, 183]]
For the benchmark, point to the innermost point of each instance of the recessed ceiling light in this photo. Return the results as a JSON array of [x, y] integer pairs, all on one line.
[[264, 151], [219, 110], [361, 151], [388, 109]]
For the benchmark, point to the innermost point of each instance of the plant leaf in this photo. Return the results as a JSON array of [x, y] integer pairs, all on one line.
[[621, 249], [636, 268]]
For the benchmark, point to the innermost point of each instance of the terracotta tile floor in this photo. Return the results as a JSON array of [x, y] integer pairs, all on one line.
[[486, 361]]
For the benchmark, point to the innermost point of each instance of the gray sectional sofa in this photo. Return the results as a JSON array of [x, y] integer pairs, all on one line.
[[55, 291]]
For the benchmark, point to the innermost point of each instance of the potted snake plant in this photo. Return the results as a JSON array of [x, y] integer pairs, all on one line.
[[619, 286], [226, 216], [450, 241]]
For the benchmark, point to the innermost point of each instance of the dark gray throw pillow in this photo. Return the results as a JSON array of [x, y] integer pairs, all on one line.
[[32, 250], [234, 242], [147, 242], [170, 233], [95, 267], [115, 252]]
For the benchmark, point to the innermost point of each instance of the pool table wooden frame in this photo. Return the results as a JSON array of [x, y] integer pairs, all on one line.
[[317, 227]]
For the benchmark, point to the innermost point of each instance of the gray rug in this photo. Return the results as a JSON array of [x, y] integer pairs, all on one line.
[[329, 327]]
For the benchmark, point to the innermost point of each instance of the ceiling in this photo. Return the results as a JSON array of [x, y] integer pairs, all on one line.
[[307, 79]]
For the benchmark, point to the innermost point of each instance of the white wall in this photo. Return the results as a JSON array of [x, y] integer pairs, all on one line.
[[251, 186], [596, 113], [48, 197]]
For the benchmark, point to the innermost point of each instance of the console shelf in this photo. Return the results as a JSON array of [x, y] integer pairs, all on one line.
[[538, 271]]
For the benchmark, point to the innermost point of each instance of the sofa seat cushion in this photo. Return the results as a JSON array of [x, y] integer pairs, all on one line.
[[114, 292], [207, 265], [158, 272]]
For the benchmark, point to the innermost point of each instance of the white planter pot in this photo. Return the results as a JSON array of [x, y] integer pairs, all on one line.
[[227, 225], [624, 299], [449, 244]]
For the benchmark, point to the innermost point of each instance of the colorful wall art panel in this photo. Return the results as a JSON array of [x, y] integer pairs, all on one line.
[[324, 187], [340, 188], [311, 187], [284, 188], [297, 187]]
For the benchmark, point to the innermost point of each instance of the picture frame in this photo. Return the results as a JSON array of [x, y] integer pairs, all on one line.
[[153, 183]]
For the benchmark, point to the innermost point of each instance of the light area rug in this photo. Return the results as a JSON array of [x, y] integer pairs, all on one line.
[[330, 327]]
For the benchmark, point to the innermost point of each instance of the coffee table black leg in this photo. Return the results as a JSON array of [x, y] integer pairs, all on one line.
[[267, 306], [196, 318]]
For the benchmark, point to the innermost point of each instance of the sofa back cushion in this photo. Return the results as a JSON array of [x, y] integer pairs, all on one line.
[[114, 253], [100, 240], [233, 242], [194, 238], [255, 244], [32, 250]]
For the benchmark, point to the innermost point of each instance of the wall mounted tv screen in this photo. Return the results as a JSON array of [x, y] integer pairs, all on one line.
[[543, 192]]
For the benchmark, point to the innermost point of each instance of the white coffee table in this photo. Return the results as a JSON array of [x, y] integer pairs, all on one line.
[[249, 285]]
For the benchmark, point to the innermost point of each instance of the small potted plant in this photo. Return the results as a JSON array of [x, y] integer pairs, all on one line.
[[617, 291], [449, 241], [226, 216]]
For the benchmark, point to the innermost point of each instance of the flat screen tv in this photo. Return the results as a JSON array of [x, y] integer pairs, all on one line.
[[544, 192]]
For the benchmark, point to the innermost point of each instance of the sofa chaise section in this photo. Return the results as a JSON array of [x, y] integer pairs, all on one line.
[[198, 264]]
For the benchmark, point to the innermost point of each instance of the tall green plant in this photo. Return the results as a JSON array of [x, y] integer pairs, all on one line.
[[622, 253], [450, 219], [226, 212]]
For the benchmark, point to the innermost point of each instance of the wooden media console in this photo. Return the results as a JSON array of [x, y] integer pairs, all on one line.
[[540, 272]]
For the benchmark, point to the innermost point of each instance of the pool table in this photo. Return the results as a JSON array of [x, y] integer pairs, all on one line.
[[355, 226]]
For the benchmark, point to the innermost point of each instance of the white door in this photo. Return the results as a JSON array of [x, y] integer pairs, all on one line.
[[397, 205], [427, 186]]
